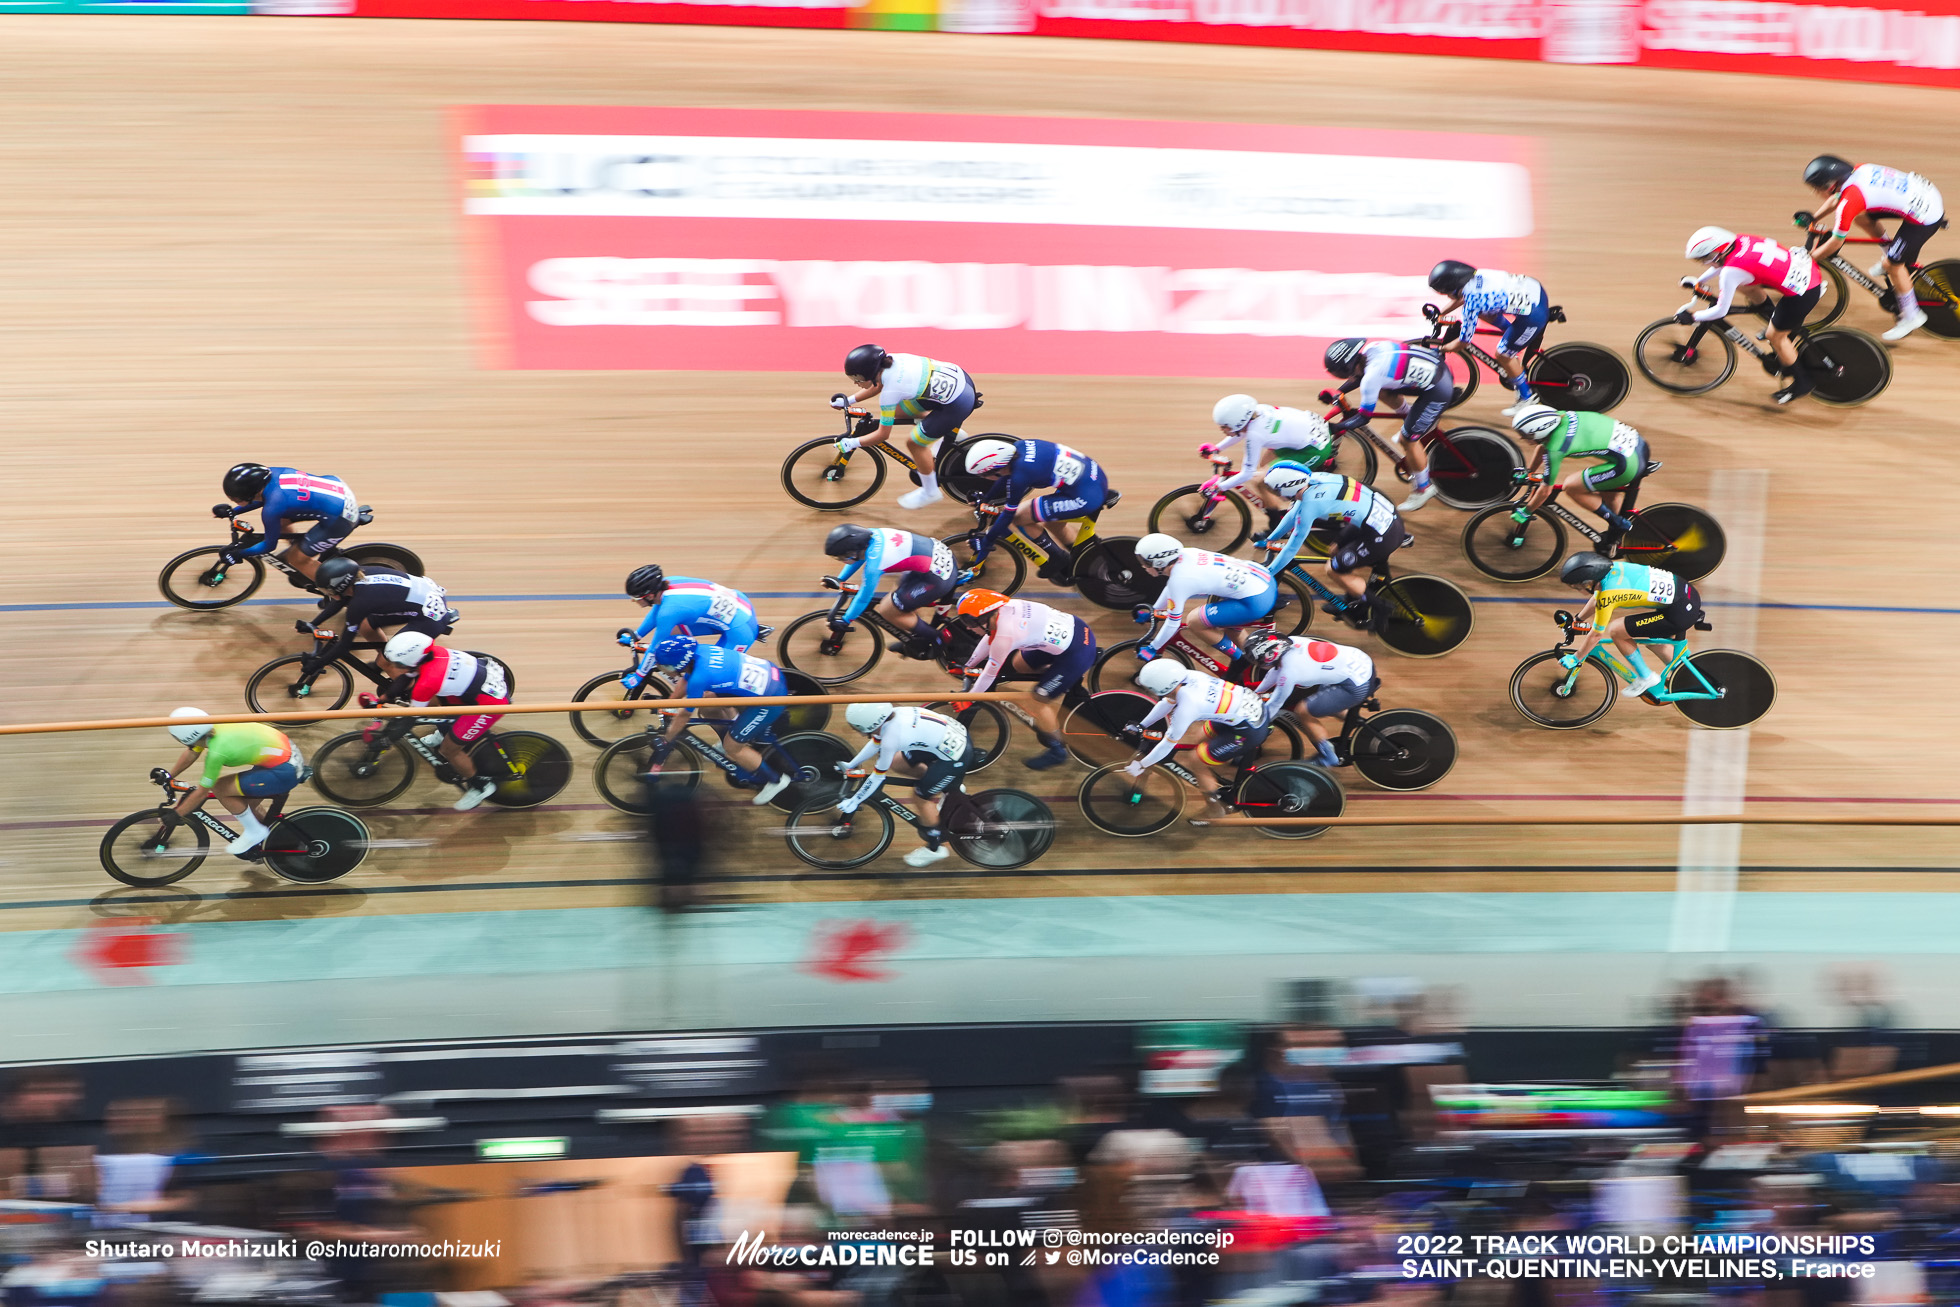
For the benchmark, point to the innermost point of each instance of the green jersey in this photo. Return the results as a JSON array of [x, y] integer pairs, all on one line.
[[242, 744], [1589, 435]]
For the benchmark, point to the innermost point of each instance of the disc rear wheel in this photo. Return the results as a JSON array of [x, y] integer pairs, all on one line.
[[1289, 789], [1471, 467], [1424, 616], [1938, 288], [1746, 687], [1579, 375], [1849, 367], [529, 768], [1403, 749], [1001, 829], [1108, 574], [316, 845], [1677, 538]]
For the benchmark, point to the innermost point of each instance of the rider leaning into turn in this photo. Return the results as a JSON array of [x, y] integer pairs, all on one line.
[[1629, 602], [713, 672], [1238, 724], [376, 600], [1053, 648], [274, 768], [425, 672], [1271, 434], [1391, 367], [1045, 482], [930, 743], [684, 605], [925, 576], [1736, 261], [1370, 530], [1510, 301], [1860, 194], [1620, 450], [1240, 593], [1320, 681], [936, 396], [287, 495]]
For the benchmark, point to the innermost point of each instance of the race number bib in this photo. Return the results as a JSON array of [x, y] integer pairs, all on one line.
[[1380, 513], [1660, 587], [428, 596], [754, 676], [1059, 633], [495, 683], [1069, 465], [942, 559], [1421, 374], [945, 383], [723, 606], [1625, 440]]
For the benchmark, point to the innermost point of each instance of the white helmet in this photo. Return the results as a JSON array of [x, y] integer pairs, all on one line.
[[868, 717], [1288, 479], [1709, 243], [1234, 411], [989, 456], [408, 649], [1537, 422], [1160, 676], [1159, 550], [189, 735]]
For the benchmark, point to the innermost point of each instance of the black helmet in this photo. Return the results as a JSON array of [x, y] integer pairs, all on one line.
[[1827, 171], [337, 573], [1584, 569], [245, 481], [1343, 355], [847, 541], [645, 581], [1450, 277], [866, 362], [1268, 649]]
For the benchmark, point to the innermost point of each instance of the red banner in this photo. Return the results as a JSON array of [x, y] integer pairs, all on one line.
[[733, 239]]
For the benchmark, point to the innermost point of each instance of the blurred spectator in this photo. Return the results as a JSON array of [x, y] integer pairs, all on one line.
[[1720, 1044], [355, 1202], [678, 831], [133, 1169], [44, 1149], [1869, 1048], [1300, 1104]]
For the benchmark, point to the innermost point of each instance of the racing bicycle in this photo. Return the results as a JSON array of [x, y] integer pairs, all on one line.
[[308, 847], [1470, 466], [1103, 568], [1936, 285], [1130, 807], [996, 829], [294, 681], [819, 475], [1574, 375], [1722, 689], [638, 680], [368, 767], [1849, 366], [198, 579], [1417, 615], [1508, 542], [626, 768], [1220, 520]]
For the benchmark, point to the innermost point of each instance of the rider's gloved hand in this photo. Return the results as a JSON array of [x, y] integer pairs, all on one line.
[[849, 445], [850, 805], [625, 635], [1570, 662], [222, 510], [1134, 769], [1207, 449], [840, 401], [369, 701], [303, 627], [1689, 283], [229, 557], [170, 818], [831, 583], [1131, 731], [1684, 319], [838, 625], [1145, 653]]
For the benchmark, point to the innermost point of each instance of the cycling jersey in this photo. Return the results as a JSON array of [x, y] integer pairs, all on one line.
[[295, 496], [1510, 300], [1593, 435], [1201, 572], [923, 738], [384, 597], [451, 676], [935, 395], [1285, 433], [1756, 261], [1629, 585], [1201, 698], [1310, 663], [241, 744], [1329, 495], [1021, 625], [1886, 193], [1399, 369], [901, 551], [1038, 464], [729, 672]]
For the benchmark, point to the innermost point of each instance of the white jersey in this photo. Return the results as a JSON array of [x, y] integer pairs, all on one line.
[[1199, 572], [1020, 624], [1282, 431], [1491, 291], [914, 376], [1311, 663], [1201, 698], [919, 730], [1888, 191]]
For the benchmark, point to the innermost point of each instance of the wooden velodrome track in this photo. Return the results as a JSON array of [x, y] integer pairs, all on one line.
[[223, 238]]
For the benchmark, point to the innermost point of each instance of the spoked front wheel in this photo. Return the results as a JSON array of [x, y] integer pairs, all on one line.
[[282, 685], [529, 768], [1472, 466], [1685, 360], [198, 581], [1425, 616], [1403, 749], [1220, 524], [1849, 366], [352, 771], [808, 645], [1289, 789], [612, 718], [1579, 375], [1001, 829], [316, 845], [987, 729], [1003, 569], [138, 851], [1744, 686], [817, 476], [824, 837], [1505, 549], [1548, 695], [1677, 538], [1130, 807], [1090, 731], [1116, 668], [622, 778]]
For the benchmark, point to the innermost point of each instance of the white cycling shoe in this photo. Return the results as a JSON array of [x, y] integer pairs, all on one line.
[[770, 791], [1635, 688], [250, 840], [1878, 270], [1520, 407], [479, 789], [925, 857], [919, 498], [1908, 323], [1417, 500]]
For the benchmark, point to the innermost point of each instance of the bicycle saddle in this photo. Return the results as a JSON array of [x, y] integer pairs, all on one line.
[[366, 515], [1408, 538], [1112, 499], [1703, 626], [1653, 465], [1556, 313]]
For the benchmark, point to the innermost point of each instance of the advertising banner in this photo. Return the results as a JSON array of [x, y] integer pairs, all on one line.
[[757, 240]]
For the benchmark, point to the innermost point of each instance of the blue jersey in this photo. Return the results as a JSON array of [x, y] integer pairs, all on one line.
[[1491, 295], [693, 607], [1328, 495], [295, 496], [895, 551], [728, 673], [1042, 463]]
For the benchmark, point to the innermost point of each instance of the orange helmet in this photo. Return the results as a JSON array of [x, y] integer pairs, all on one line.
[[978, 603]]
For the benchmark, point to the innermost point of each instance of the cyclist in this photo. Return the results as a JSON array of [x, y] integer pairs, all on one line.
[[931, 743], [1621, 451], [1240, 593], [1861, 194], [1270, 433], [926, 563], [287, 495], [1735, 261], [714, 672], [1325, 679], [1045, 482], [425, 672], [1391, 367], [1370, 529], [935, 396], [274, 767], [1657, 606], [1052, 648], [1487, 295], [683, 605], [376, 598], [1238, 724]]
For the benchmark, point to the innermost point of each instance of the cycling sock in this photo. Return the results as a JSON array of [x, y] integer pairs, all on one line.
[[1421, 481], [1048, 741], [929, 482], [933, 834], [1641, 671], [1047, 543], [1227, 648], [250, 825]]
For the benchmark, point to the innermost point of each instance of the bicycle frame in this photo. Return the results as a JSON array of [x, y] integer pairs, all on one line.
[[1608, 656], [172, 790], [889, 448], [1021, 543]]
